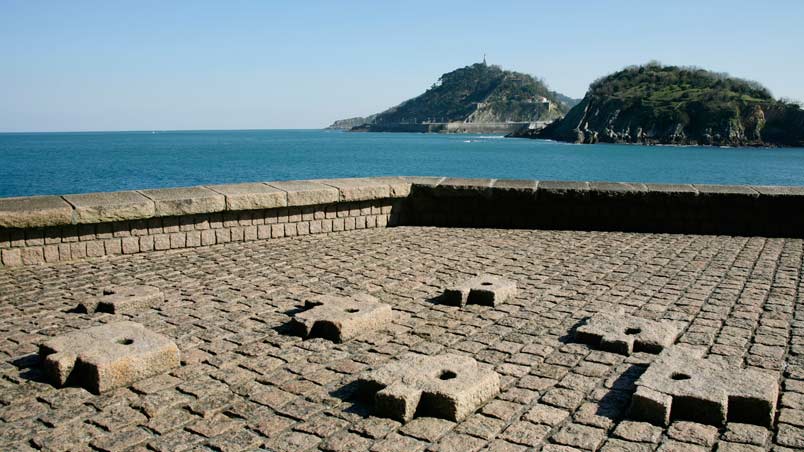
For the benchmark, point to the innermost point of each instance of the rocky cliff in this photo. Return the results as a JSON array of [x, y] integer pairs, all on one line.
[[347, 124], [655, 104], [476, 94]]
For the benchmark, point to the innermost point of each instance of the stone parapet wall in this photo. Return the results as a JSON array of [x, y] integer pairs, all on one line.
[[43, 229], [771, 211]]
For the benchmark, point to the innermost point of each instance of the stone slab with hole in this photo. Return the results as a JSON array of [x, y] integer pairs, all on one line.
[[108, 356], [340, 318], [122, 300], [447, 386], [625, 334], [681, 385], [486, 290]]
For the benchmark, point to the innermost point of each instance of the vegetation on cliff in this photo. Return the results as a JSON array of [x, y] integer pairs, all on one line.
[[656, 104], [479, 93]]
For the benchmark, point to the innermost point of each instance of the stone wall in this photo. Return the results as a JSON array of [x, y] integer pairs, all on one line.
[[44, 229]]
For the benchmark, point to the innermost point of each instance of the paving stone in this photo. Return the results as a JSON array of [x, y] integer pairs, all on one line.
[[677, 446], [626, 334], [746, 433], [692, 432], [342, 318], [526, 433], [122, 300], [108, 356], [447, 386], [682, 385], [485, 290], [725, 446], [427, 428], [638, 431], [226, 310], [580, 436], [344, 441], [790, 436], [398, 443]]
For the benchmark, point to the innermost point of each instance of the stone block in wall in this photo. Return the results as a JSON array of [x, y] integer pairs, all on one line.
[[193, 239], [147, 243], [359, 189], [95, 248], [34, 237], [277, 231], [161, 242], [78, 250], [290, 229], [113, 206], [185, 201], [305, 193], [178, 240], [238, 234], [251, 196], [64, 252], [250, 233], [130, 245], [51, 253], [208, 237], [223, 235], [34, 212], [113, 247], [11, 257], [33, 255]]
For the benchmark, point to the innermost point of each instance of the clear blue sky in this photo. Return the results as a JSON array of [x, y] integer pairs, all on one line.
[[108, 65]]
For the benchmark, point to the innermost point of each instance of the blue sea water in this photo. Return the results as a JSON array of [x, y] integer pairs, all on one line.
[[60, 163]]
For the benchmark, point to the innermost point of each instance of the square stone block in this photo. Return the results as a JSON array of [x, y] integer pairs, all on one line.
[[185, 201], [108, 356], [484, 289], [34, 212], [681, 385], [113, 206], [122, 300], [342, 318], [626, 334], [447, 386], [305, 193], [251, 196]]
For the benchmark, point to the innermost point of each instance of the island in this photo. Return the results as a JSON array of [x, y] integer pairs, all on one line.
[[480, 98], [654, 104]]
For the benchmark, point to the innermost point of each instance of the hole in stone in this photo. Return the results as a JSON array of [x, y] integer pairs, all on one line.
[[108, 291], [447, 375], [679, 376], [125, 341], [485, 284], [352, 310], [632, 331]]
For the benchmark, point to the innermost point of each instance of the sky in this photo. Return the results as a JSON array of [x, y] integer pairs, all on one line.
[[100, 65]]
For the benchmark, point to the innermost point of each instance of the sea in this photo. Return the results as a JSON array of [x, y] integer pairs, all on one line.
[[82, 162]]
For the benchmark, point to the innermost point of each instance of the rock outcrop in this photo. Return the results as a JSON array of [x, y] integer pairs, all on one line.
[[656, 104]]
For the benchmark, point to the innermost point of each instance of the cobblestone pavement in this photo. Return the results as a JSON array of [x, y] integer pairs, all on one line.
[[245, 384]]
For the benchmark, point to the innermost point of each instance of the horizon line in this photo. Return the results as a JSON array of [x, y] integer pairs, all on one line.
[[157, 130]]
